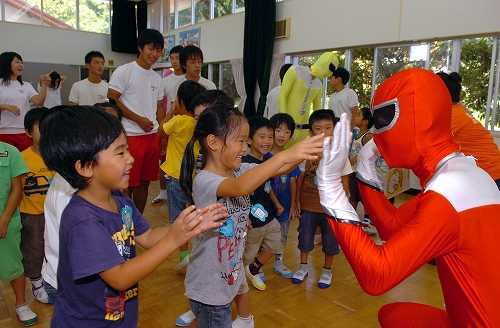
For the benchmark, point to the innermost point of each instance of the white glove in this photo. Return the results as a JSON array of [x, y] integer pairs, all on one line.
[[367, 172], [331, 193]]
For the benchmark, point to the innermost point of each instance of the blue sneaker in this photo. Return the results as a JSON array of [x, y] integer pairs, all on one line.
[[283, 271], [261, 274], [300, 275], [185, 319]]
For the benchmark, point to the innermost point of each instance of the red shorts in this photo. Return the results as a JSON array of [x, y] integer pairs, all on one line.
[[21, 141], [145, 150]]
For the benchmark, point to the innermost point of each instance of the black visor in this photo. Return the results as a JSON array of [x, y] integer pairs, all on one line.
[[385, 115]]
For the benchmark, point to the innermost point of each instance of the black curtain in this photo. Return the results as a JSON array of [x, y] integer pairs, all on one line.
[[258, 44], [124, 30]]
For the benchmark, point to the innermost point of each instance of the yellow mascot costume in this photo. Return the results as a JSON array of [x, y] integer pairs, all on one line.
[[302, 86]]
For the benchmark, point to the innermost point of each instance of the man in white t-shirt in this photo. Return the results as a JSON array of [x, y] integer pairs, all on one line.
[[273, 95], [191, 60], [91, 90], [344, 99], [138, 91]]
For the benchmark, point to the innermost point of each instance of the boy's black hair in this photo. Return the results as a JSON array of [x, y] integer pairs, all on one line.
[[53, 77], [218, 120], [175, 50], [6, 59], [33, 116], [189, 52], [283, 70], [343, 74], [211, 97], [186, 93], [91, 55], [367, 115], [321, 115], [111, 103], [453, 82], [258, 122], [151, 36], [282, 118], [76, 133]]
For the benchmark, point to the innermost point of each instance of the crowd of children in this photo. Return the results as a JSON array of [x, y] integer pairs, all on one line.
[[232, 189]]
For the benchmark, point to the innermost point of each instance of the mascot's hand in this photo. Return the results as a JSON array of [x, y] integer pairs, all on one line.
[[331, 193], [366, 165]]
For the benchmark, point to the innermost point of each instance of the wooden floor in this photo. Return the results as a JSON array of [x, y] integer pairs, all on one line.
[[282, 304]]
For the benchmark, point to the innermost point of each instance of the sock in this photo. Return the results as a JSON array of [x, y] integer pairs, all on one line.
[[183, 255], [37, 282], [255, 266], [366, 220], [163, 194], [279, 260], [327, 269], [303, 266], [242, 322]]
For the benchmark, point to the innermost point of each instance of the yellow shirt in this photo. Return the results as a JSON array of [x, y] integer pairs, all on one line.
[[35, 183], [180, 131]]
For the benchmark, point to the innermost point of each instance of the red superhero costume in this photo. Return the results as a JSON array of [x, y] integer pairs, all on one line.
[[453, 219]]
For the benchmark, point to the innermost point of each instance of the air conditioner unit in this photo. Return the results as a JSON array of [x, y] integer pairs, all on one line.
[[282, 29]]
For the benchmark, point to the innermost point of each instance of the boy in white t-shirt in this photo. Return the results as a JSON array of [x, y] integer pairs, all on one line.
[[344, 99], [92, 89], [137, 90]]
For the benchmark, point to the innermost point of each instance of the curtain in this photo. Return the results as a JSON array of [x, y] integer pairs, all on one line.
[[239, 82], [258, 43], [274, 79], [124, 30]]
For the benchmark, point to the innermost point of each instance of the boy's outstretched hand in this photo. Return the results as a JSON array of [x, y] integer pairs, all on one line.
[[191, 222]]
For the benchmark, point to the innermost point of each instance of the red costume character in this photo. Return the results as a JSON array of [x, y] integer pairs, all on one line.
[[452, 219]]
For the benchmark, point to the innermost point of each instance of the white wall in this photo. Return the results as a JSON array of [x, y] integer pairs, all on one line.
[[45, 44]]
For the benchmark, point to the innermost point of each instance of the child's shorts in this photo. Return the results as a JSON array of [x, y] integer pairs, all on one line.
[[354, 194], [308, 223], [267, 236], [11, 259]]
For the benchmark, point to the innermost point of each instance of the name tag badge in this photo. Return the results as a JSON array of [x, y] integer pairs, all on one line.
[[259, 212], [228, 228]]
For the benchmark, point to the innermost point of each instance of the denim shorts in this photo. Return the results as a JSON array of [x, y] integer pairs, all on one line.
[[212, 316], [176, 200], [308, 223], [285, 226]]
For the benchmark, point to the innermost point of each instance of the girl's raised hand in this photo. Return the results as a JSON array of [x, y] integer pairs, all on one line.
[[307, 149]]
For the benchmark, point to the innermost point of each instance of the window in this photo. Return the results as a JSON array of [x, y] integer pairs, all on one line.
[[90, 15]]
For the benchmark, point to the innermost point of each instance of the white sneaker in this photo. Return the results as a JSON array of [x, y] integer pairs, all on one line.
[[27, 317], [256, 281], [184, 320], [40, 294], [370, 230], [240, 322], [182, 264], [326, 279], [300, 275]]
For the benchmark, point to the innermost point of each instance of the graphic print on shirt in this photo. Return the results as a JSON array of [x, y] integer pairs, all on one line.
[[233, 236], [124, 239], [36, 184]]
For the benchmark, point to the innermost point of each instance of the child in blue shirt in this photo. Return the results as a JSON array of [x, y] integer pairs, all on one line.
[[98, 267]]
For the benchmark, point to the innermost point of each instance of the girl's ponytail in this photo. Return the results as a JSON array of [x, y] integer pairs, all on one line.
[[187, 167]]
